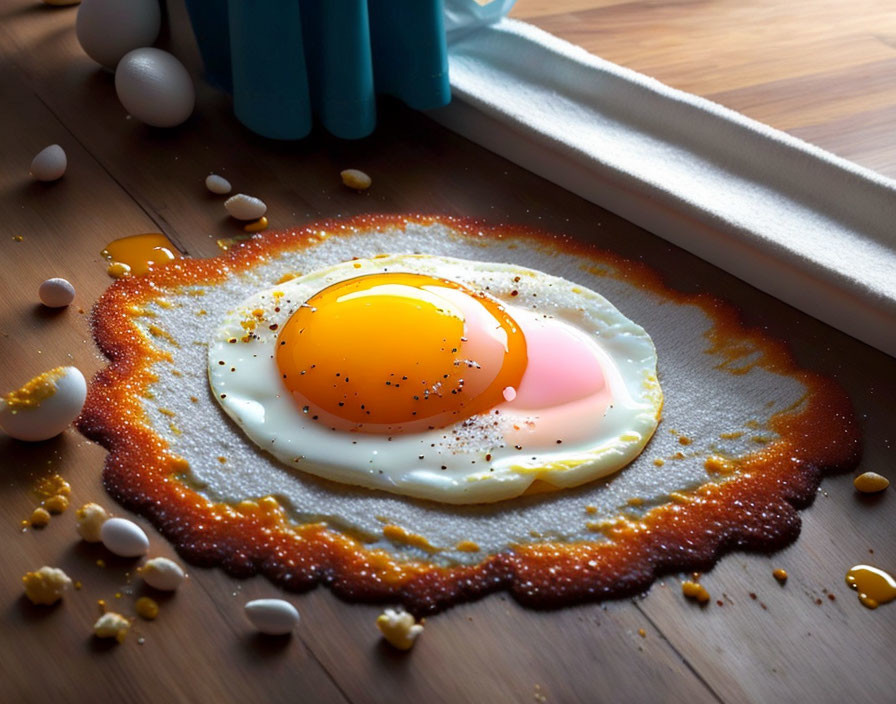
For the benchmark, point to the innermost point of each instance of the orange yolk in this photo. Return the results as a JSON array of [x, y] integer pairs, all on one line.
[[387, 353]]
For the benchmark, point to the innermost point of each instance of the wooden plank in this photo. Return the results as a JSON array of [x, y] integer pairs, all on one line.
[[792, 648], [457, 657], [822, 64], [792, 643], [50, 652], [863, 136], [818, 99]]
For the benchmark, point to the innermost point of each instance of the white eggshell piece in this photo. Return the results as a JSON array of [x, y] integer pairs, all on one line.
[[243, 207], [217, 184], [274, 617], [109, 29], [49, 164], [56, 293], [162, 574], [52, 415], [154, 87], [124, 538]]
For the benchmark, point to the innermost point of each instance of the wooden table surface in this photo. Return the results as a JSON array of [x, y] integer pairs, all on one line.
[[823, 70]]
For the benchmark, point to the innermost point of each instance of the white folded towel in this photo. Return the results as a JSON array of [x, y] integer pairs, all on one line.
[[810, 228]]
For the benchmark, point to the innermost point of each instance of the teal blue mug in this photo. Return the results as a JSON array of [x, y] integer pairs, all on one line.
[[287, 61]]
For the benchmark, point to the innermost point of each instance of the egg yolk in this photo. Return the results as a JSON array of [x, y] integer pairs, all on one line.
[[140, 252], [388, 353]]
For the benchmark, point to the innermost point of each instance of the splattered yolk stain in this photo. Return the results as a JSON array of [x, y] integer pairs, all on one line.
[[874, 586]]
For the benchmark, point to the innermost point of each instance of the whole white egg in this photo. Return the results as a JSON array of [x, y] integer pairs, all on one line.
[[154, 87], [243, 207], [45, 406], [56, 293], [124, 538], [274, 617], [49, 164], [217, 184], [109, 29], [162, 574]]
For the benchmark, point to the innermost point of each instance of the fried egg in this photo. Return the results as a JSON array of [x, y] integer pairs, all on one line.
[[445, 379], [745, 431]]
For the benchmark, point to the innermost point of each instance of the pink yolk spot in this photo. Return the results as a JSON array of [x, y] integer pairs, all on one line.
[[562, 367], [563, 393]]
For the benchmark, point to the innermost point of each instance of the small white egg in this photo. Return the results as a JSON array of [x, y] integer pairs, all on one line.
[[124, 538], [162, 574], [45, 406], [109, 29], [217, 184], [274, 617], [353, 178], [243, 207], [154, 87], [49, 164], [56, 293]]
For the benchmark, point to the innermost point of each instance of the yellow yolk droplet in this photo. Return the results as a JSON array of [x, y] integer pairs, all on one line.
[[140, 252], [388, 353], [146, 608], [875, 587]]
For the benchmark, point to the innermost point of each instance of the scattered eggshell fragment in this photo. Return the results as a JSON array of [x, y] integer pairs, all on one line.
[[243, 207], [274, 617], [353, 178], [109, 29], [217, 184], [111, 625], [398, 628], [162, 574], [45, 406], [46, 585], [870, 482], [56, 293], [49, 164], [124, 538], [154, 87], [91, 518]]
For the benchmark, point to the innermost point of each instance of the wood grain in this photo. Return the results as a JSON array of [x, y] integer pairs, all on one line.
[[124, 178], [822, 70]]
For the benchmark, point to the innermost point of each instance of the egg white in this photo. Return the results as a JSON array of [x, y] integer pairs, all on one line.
[[721, 413], [246, 381]]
